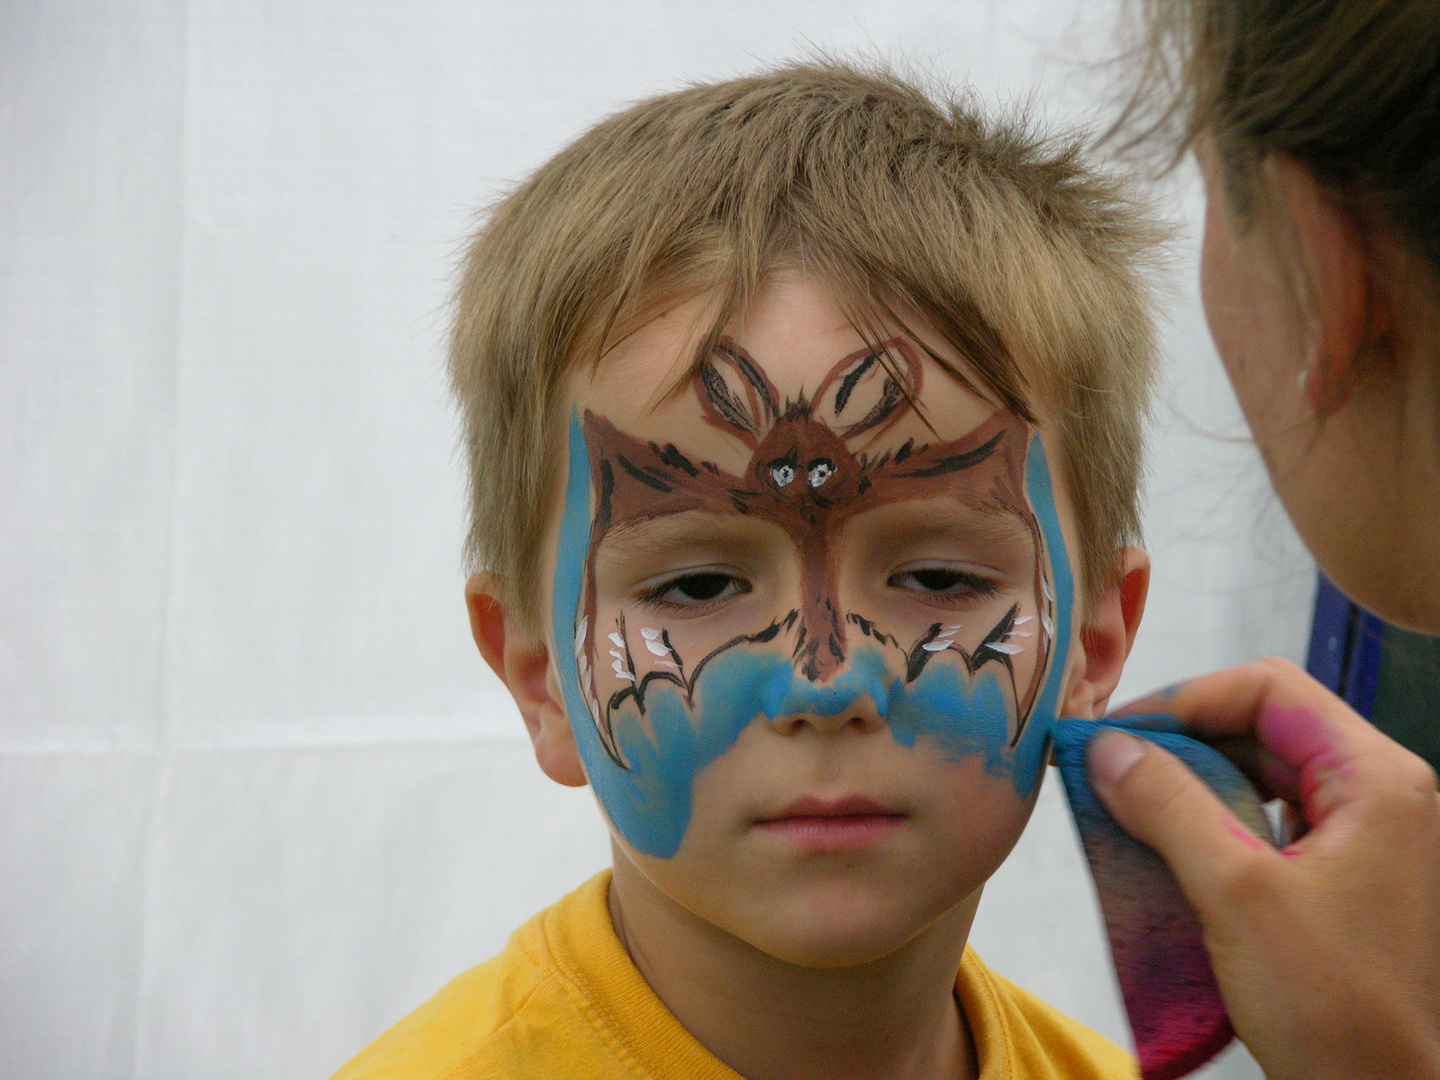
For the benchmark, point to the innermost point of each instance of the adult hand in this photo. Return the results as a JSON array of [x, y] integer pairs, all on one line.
[[1327, 952]]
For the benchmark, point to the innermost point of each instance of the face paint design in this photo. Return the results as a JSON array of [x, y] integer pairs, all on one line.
[[653, 703]]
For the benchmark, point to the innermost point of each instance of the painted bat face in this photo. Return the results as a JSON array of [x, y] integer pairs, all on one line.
[[817, 538]]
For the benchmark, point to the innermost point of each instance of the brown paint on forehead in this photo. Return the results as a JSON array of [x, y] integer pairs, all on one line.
[[809, 472]]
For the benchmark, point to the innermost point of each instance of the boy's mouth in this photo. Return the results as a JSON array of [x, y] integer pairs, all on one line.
[[830, 825]]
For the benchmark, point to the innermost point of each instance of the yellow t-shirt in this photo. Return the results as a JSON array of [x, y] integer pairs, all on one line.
[[565, 1000]]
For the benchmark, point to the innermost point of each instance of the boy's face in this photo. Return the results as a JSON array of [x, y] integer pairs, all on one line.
[[811, 617]]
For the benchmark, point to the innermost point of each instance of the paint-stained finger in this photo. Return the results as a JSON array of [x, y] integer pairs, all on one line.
[[1298, 722], [1272, 777], [1230, 702]]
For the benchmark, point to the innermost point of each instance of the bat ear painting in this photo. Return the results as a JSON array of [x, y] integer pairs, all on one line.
[[737, 397], [817, 566], [869, 391], [863, 395]]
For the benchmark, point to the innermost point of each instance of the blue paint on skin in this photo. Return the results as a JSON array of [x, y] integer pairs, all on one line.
[[650, 802], [1030, 761]]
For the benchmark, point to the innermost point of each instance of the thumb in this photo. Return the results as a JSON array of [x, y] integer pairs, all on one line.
[[1159, 801]]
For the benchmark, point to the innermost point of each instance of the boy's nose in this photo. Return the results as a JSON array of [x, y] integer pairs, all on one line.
[[857, 717], [820, 647]]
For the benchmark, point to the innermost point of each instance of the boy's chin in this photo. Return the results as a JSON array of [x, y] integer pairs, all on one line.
[[839, 928], [834, 912], [838, 923]]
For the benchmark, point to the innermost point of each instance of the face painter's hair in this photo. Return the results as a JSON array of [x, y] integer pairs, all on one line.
[[1004, 242], [1350, 88]]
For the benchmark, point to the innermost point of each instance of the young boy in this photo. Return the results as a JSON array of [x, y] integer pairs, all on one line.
[[803, 417]]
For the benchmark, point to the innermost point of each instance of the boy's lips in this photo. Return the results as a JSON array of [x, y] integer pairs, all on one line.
[[822, 825]]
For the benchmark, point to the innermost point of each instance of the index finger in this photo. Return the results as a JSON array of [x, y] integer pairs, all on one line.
[[1294, 717]]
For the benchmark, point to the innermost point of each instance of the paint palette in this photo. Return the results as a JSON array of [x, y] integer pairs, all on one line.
[[1174, 1006]]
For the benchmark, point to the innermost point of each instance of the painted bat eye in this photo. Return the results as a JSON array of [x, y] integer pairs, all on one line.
[[782, 473], [821, 470]]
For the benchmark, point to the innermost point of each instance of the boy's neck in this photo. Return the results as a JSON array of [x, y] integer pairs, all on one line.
[[767, 1019]]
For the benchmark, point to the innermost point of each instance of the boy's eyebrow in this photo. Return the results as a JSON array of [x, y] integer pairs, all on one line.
[[986, 516], [661, 531], [999, 525]]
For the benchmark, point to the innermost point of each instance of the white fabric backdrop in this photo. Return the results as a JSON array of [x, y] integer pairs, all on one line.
[[258, 795]]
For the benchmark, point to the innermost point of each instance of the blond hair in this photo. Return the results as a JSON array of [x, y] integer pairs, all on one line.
[[1004, 242]]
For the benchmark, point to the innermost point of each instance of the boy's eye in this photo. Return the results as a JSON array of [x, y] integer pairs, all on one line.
[[943, 581], [697, 588]]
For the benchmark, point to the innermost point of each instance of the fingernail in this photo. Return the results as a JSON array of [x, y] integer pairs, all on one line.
[[1112, 755]]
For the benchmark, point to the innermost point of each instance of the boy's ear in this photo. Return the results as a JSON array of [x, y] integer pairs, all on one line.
[[524, 667], [1107, 636]]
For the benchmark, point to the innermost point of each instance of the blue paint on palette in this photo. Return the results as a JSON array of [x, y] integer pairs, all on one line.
[[650, 801]]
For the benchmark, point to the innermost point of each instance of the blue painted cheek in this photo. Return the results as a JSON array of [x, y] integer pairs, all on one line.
[[1031, 752], [650, 802]]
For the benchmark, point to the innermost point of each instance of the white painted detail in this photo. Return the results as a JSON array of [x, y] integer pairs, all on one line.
[[656, 647], [617, 640], [1005, 647], [936, 646], [580, 634], [820, 472], [649, 633]]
